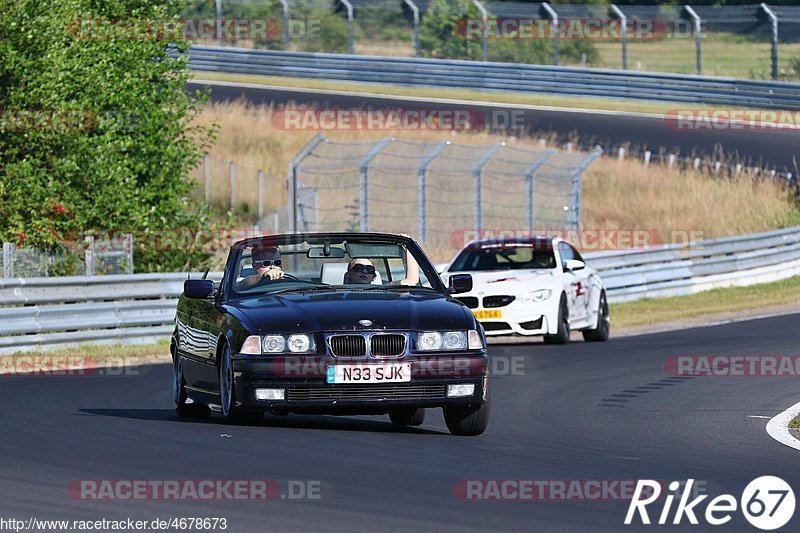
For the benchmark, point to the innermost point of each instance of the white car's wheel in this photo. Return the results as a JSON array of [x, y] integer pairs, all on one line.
[[602, 330], [562, 335]]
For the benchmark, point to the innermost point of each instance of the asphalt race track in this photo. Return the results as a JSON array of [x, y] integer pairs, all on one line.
[[769, 148], [583, 411]]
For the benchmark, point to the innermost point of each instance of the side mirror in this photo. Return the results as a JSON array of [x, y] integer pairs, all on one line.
[[574, 264], [198, 289], [459, 283]]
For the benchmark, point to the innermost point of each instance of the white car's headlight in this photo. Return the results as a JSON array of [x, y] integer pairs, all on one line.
[[535, 296], [429, 341]]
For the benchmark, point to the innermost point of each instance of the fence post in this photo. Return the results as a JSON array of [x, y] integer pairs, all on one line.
[[88, 256], [285, 6], [218, 14], [349, 7], [485, 33], [292, 200], [260, 195], [422, 190], [576, 211], [363, 183], [129, 249], [207, 177], [774, 19], [554, 18], [415, 12], [541, 160], [233, 185], [624, 34], [478, 186], [697, 35], [8, 260]]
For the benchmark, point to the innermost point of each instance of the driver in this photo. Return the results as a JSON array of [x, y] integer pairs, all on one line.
[[267, 264]]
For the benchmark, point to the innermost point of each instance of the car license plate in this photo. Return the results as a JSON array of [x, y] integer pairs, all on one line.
[[387, 373], [494, 313]]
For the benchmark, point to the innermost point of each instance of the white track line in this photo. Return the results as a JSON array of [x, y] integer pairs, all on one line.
[[778, 427]]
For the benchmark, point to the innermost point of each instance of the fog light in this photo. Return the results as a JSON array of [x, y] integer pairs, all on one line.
[[270, 394], [459, 391]]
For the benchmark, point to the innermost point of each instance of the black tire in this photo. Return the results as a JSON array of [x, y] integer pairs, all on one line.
[[407, 416], [227, 394], [603, 329], [467, 420], [562, 335], [183, 408]]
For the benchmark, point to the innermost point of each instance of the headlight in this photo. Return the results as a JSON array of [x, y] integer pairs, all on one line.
[[274, 344], [300, 342], [251, 345], [536, 296], [430, 341], [475, 342]]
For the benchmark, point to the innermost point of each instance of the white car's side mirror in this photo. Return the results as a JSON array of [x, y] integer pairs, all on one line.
[[574, 264]]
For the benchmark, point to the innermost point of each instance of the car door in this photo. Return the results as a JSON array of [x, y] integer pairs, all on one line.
[[577, 283]]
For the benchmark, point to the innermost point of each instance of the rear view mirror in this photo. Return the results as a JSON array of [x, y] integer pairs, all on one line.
[[198, 289], [459, 283], [318, 252]]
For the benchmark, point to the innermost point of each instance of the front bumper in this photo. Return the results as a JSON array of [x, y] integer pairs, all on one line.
[[306, 390], [519, 319]]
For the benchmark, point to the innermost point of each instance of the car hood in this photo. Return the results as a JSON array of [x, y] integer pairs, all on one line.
[[341, 310], [511, 281]]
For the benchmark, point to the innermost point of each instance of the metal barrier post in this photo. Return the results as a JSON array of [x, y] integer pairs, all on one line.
[[292, 200], [260, 195], [774, 19], [478, 186], [285, 6], [349, 7], [218, 14], [554, 18], [8, 260], [541, 160], [422, 191], [233, 185], [623, 20], [88, 256], [129, 249], [485, 34], [363, 183], [697, 35], [415, 12]]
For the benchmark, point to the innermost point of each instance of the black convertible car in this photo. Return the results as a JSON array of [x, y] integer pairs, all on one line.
[[335, 323]]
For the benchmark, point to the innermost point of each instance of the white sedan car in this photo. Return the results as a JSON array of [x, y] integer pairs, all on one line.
[[537, 286]]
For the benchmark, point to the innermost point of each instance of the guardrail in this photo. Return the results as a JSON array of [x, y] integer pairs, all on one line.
[[44, 313], [500, 77]]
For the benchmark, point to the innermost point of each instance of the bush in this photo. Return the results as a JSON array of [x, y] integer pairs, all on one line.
[[95, 130]]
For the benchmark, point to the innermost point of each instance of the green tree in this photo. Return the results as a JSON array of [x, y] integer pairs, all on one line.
[[95, 122]]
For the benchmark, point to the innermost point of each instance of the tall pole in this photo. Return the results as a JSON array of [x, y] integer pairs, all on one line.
[[623, 20], [554, 17], [485, 34], [415, 12], [774, 19], [697, 35]]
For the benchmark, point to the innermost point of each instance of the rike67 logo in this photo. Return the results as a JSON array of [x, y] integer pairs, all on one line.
[[767, 503]]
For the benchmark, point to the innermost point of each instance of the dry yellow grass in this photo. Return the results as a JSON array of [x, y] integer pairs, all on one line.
[[616, 194]]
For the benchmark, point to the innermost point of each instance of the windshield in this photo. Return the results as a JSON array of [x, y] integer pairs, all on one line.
[[344, 263], [504, 257]]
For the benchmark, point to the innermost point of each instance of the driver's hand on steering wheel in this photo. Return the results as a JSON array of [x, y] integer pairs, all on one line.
[[272, 274]]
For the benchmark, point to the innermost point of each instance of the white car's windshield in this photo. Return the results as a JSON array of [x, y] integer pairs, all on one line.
[[504, 258]]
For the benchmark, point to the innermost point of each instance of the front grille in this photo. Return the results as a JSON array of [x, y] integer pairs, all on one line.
[[497, 301], [495, 326], [469, 301], [348, 345], [391, 344], [366, 392]]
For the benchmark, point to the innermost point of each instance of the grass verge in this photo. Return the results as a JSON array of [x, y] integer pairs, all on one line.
[[651, 311], [86, 356]]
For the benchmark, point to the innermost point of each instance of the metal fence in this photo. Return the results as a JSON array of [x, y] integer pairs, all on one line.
[[89, 257], [46, 313], [433, 189], [749, 41]]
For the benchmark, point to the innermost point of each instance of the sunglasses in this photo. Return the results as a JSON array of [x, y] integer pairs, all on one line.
[[365, 269], [265, 264]]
